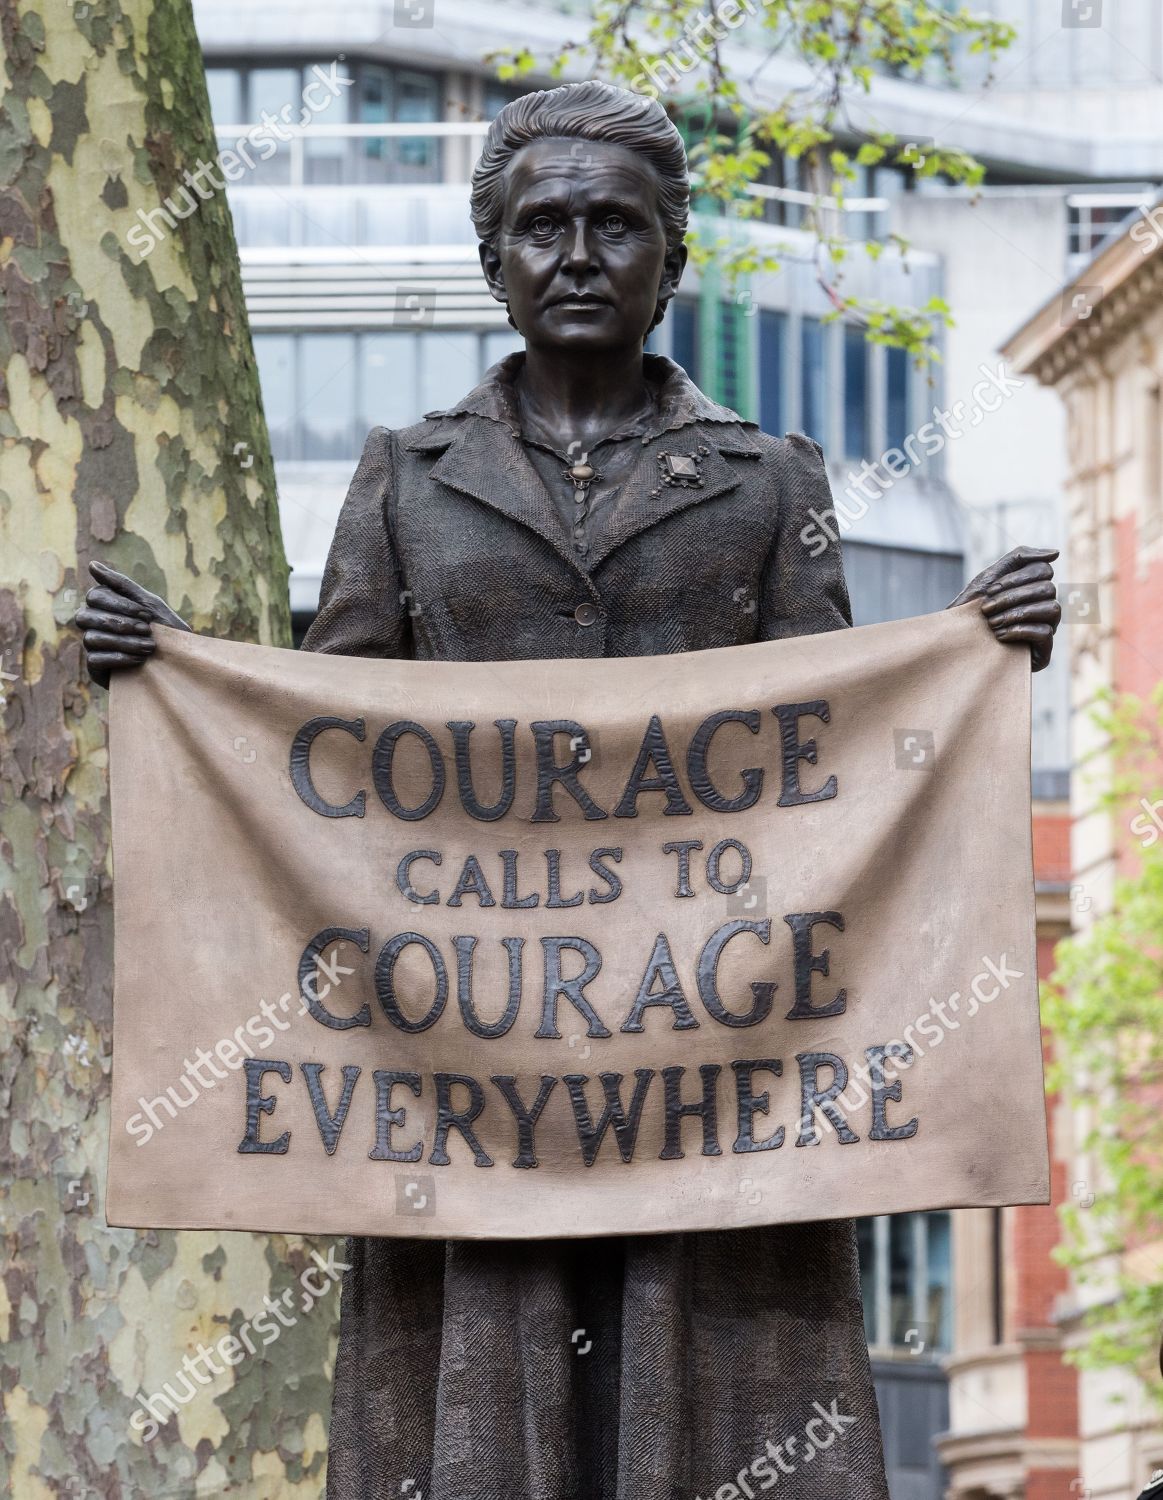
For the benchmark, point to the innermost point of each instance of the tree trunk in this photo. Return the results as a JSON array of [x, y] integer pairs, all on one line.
[[131, 429]]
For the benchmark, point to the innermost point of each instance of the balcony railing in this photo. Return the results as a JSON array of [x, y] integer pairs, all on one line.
[[1094, 218], [322, 155], [356, 186]]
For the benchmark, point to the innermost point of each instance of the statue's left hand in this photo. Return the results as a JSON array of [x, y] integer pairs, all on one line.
[[1019, 600], [116, 622]]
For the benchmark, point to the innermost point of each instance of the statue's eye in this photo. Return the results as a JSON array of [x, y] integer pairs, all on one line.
[[542, 225], [615, 224]]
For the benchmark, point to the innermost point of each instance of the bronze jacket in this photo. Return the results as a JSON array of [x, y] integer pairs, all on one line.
[[449, 548], [460, 1373]]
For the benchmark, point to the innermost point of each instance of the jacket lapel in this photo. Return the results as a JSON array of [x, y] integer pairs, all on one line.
[[485, 458], [487, 461], [644, 499]]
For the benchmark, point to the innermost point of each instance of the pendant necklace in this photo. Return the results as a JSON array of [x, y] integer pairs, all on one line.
[[583, 475]]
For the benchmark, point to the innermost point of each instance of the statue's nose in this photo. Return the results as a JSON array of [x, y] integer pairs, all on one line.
[[579, 254]]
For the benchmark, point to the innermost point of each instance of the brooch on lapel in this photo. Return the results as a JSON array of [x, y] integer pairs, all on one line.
[[682, 469]]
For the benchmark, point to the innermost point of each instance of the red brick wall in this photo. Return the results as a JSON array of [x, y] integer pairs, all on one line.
[[1036, 1280], [1051, 847], [1052, 1393], [1138, 610], [1053, 1484]]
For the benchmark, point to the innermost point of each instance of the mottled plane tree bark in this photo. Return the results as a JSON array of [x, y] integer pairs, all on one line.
[[131, 429]]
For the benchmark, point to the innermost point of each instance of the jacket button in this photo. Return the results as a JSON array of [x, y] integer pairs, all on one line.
[[585, 614]]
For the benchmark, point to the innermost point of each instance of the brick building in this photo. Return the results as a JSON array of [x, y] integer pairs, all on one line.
[[1012, 1432], [1099, 345]]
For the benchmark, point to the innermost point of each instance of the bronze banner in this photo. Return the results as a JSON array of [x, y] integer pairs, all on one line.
[[566, 948]]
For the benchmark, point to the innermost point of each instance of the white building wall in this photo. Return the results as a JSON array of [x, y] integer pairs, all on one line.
[[1004, 252]]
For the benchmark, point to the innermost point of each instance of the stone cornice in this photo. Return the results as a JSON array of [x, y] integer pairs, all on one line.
[[1094, 310]]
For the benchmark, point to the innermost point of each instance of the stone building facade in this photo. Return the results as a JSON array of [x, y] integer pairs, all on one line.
[[1098, 344]]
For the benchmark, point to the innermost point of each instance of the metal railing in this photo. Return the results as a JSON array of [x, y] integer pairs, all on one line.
[[311, 185], [1093, 218]]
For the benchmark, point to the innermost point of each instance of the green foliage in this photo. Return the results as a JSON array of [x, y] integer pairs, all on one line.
[[1104, 1006], [681, 51]]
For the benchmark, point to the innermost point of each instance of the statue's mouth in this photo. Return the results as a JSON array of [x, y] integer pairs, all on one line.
[[581, 301]]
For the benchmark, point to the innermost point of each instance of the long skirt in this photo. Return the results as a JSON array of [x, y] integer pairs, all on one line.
[[651, 1368]]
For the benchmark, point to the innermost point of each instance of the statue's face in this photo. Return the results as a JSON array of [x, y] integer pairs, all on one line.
[[581, 257]]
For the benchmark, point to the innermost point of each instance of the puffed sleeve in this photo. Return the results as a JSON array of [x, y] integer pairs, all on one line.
[[362, 611], [802, 591]]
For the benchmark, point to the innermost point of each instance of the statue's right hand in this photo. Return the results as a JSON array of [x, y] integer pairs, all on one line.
[[115, 621]]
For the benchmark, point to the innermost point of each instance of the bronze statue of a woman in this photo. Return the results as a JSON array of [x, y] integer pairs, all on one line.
[[587, 500]]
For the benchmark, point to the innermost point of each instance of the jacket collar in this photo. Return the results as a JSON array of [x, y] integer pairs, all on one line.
[[485, 458], [680, 403]]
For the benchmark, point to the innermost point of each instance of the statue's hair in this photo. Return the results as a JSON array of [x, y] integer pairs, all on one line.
[[590, 111]]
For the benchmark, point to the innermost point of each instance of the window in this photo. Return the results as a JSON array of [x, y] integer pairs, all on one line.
[[276, 93], [375, 95], [275, 353], [374, 103], [497, 95], [225, 85], [684, 337], [712, 340], [498, 345], [1153, 452], [772, 357], [813, 385], [272, 90], [781, 172], [323, 392], [387, 390], [325, 157], [906, 1278], [732, 389], [856, 355], [896, 583], [417, 102], [897, 401], [378, 95], [327, 395], [450, 365]]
